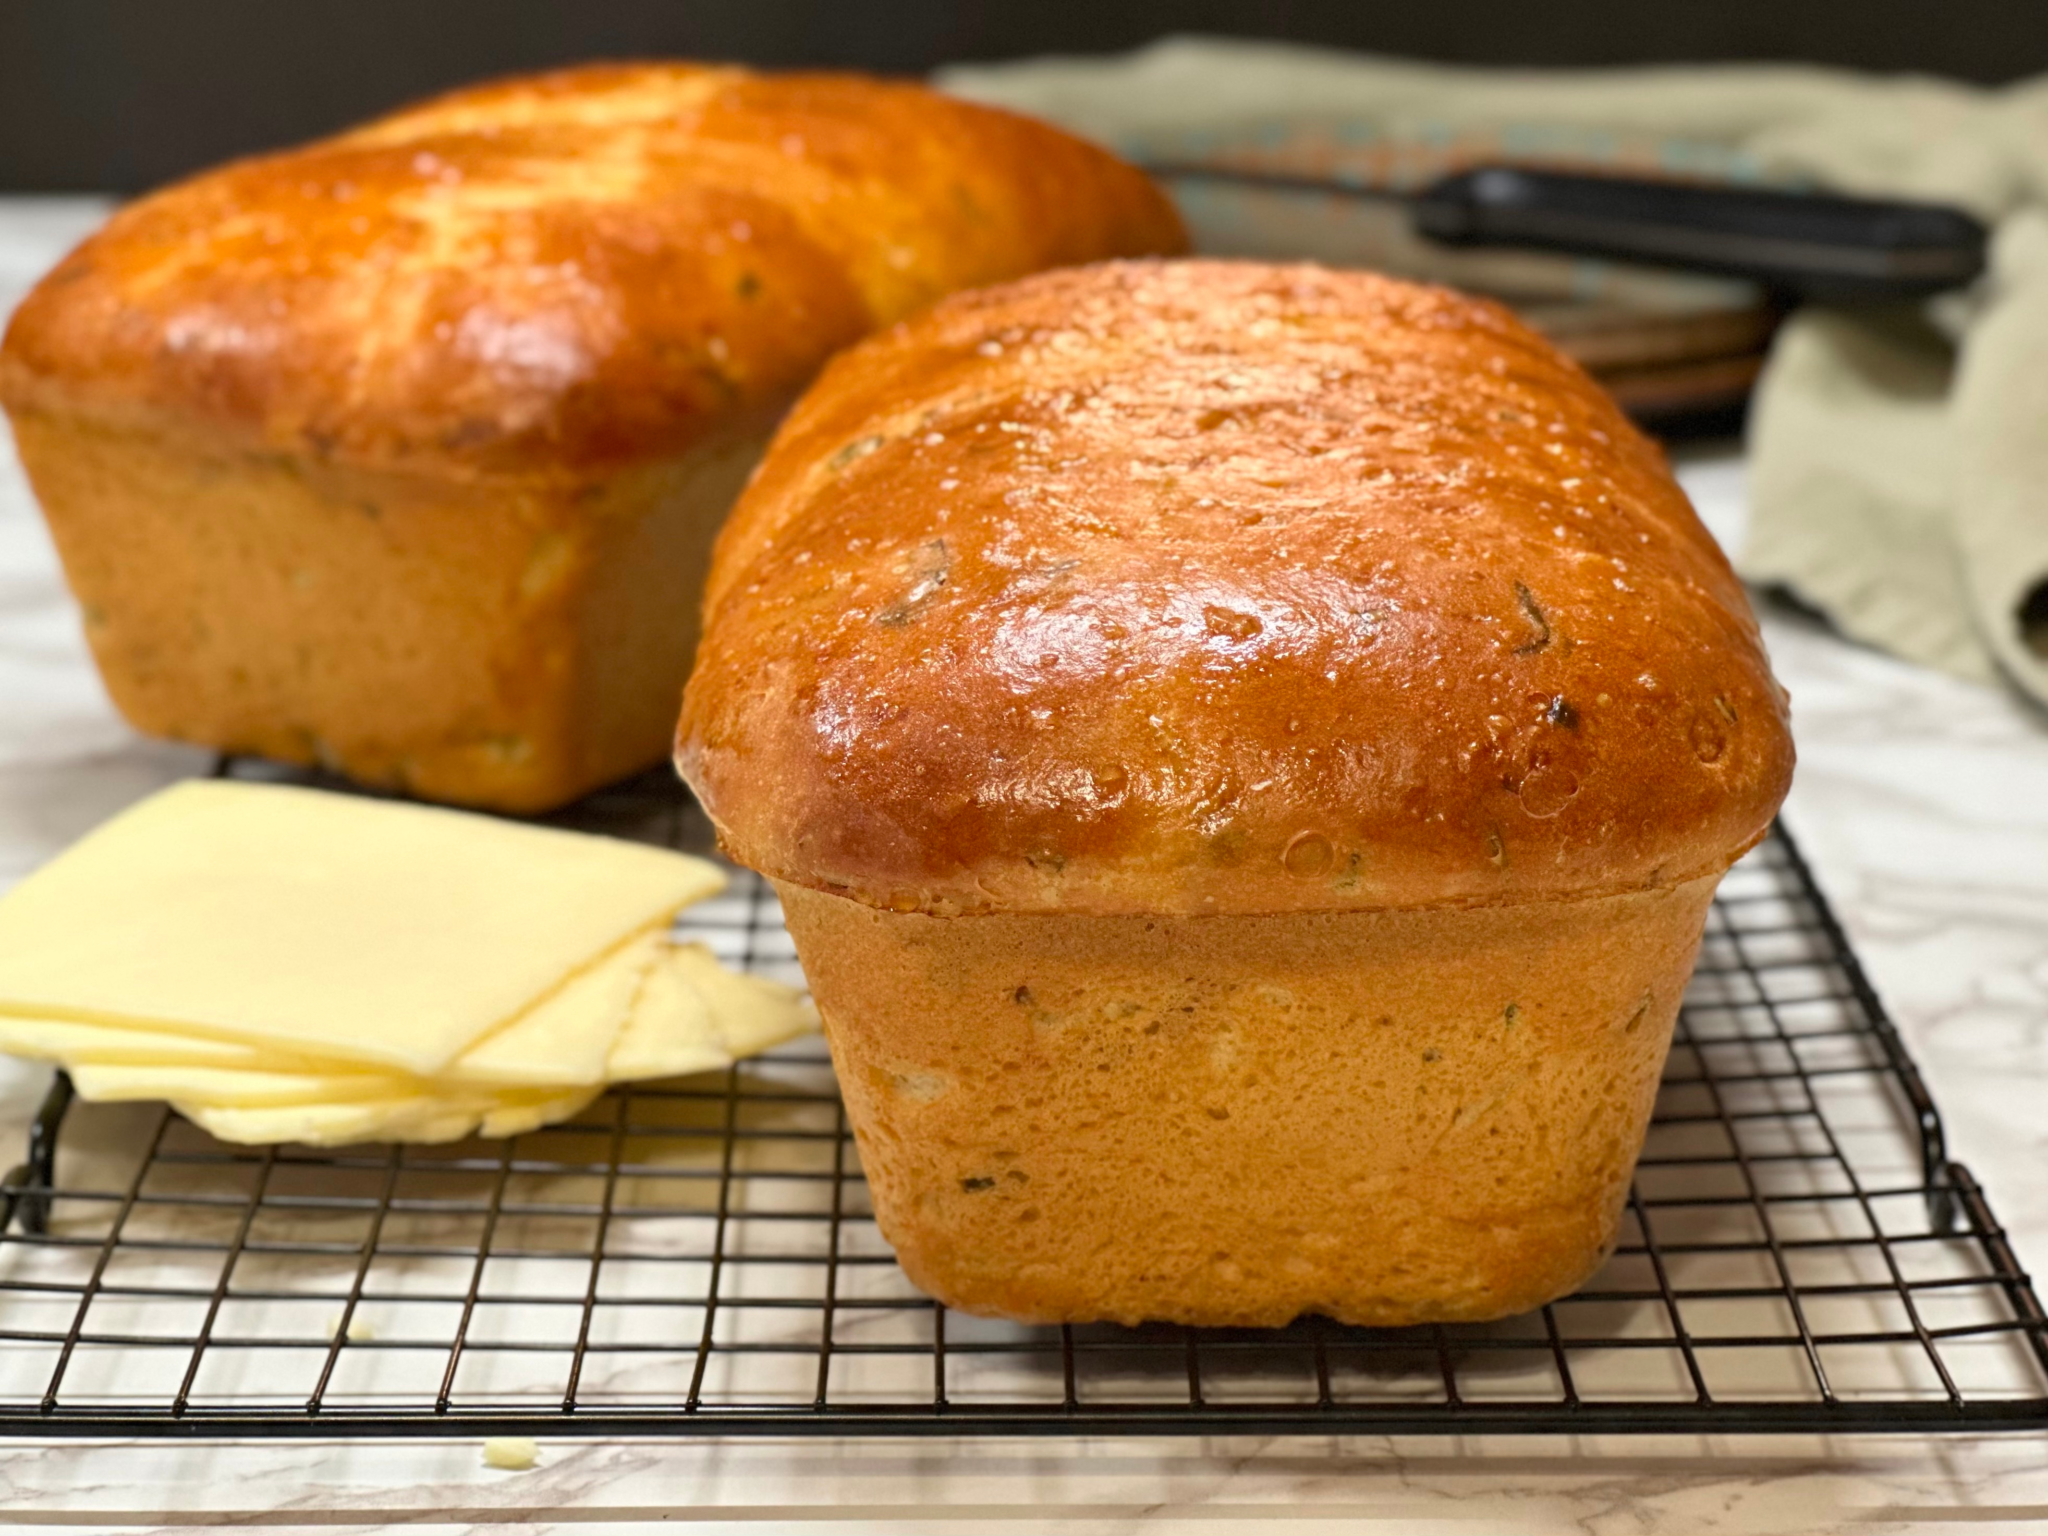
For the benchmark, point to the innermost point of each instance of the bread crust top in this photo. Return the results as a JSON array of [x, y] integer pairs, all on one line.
[[562, 272], [1224, 587]]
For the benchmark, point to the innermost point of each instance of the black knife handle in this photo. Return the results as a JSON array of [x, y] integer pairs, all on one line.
[[1805, 245]]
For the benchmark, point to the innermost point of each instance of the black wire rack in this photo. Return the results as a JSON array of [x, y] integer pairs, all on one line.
[[699, 1257]]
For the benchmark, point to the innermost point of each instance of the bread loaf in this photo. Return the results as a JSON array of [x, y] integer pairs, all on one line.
[[1246, 752], [401, 453]]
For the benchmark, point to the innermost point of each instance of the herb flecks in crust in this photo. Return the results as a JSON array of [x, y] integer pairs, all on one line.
[[1539, 622]]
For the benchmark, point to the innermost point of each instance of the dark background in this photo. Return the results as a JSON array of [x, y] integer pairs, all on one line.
[[122, 94]]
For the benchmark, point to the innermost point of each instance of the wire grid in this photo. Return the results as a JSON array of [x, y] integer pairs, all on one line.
[[700, 1257]]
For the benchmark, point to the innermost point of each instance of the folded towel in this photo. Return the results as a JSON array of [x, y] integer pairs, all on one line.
[[1899, 472]]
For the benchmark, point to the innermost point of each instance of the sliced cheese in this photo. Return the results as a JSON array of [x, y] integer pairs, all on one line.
[[670, 1032], [565, 1038], [690, 1014], [750, 1013], [419, 1118], [318, 1125], [287, 965], [324, 925], [68, 1040], [560, 1043], [115, 1083], [517, 1119]]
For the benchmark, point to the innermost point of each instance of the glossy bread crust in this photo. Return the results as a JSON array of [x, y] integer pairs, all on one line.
[[560, 273], [402, 453], [1211, 587]]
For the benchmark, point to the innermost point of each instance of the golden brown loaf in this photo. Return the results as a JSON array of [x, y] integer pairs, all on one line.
[[1245, 752], [398, 451], [1210, 587]]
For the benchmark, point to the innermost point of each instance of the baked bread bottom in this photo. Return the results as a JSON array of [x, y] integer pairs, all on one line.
[[1386, 1117], [507, 643]]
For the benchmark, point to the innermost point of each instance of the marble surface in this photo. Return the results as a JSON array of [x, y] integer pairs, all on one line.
[[1922, 803]]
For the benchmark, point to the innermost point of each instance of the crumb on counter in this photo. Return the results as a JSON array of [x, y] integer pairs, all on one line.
[[511, 1455]]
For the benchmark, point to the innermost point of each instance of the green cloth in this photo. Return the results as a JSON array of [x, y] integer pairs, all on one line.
[[1899, 461]]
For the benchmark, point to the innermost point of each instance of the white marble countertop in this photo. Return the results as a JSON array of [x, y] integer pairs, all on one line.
[[1922, 803]]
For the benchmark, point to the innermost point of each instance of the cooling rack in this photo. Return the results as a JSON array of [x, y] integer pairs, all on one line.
[[699, 1258]]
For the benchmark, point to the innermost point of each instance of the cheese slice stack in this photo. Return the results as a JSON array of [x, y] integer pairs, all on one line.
[[285, 964]]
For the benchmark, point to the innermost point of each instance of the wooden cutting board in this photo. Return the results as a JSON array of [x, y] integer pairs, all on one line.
[[1672, 347]]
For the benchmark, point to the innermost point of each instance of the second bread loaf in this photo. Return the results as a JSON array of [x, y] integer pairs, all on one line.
[[401, 453]]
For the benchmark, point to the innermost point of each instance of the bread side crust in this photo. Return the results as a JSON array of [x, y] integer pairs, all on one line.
[[1384, 1117], [509, 643]]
